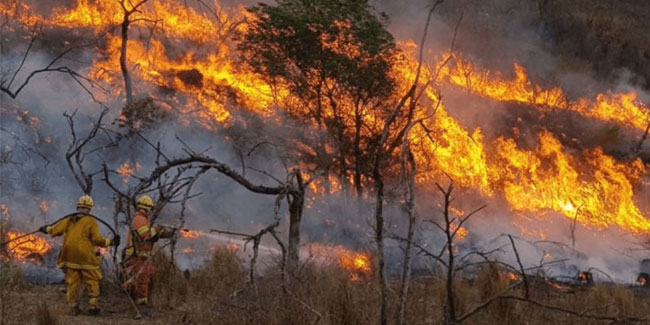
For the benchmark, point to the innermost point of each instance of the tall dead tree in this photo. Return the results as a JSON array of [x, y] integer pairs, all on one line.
[[128, 9], [408, 171], [170, 187], [385, 146]]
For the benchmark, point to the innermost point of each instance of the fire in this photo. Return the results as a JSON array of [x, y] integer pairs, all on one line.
[[558, 286], [511, 277], [233, 247], [621, 108], [44, 206], [585, 277], [22, 248], [211, 81], [4, 210], [127, 170], [589, 186], [186, 233], [357, 264], [461, 232]]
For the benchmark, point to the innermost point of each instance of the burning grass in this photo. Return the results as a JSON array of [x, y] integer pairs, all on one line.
[[219, 292], [31, 247]]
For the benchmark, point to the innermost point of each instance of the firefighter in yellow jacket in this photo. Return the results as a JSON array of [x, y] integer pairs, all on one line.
[[78, 257]]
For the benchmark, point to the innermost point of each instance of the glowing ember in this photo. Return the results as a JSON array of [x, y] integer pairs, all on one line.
[[358, 265], [511, 277], [185, 233], [585, 278], [233, 247], [187, 250], [127, 170], [24, 247], [461, 233], [4, 210], [559, 287], [44, 206]]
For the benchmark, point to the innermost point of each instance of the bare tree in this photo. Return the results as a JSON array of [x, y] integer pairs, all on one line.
[[128, 9], [170, 187], [7, 85], [78, 152], [408, 171]]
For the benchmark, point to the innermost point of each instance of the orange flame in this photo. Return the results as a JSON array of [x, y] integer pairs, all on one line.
[[590, 187], [233, 247], [44, 206], [185, 233], [4, 210], [357, 264], [22, 248], [621, 108], [461, 232], [127, 170], [512, 277]]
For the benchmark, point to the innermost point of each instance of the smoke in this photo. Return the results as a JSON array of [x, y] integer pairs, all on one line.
[[489, 34], [495, 35]]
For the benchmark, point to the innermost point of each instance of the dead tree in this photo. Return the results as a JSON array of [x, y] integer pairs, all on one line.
[[450, 228], [7, 82], [170, 188], [78, 152], [408, 171], [126, 22], [384, 146]]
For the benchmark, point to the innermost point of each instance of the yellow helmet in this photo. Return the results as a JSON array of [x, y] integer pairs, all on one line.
[[85, 201], [145, 202]]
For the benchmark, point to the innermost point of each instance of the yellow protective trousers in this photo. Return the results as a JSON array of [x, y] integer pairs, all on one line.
[[74, 278]]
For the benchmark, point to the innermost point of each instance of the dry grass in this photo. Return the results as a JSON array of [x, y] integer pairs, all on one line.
[[44, 316], [219, 293]]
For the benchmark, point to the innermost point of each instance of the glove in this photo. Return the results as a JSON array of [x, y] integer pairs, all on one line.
[[166, 232], [115, 241], [43, 229]]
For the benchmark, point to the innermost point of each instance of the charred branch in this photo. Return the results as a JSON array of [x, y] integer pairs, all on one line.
[[256, 239], [75, 155], [126, 21], [6, 86], [521, 268]]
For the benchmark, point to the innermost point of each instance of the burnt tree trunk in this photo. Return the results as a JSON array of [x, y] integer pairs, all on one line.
[[128, 86], [450, 313], [410, 211], [357, 153], [379, 238], [296, 202]]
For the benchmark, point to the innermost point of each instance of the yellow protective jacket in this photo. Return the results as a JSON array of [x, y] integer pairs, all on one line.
[[79, 240]]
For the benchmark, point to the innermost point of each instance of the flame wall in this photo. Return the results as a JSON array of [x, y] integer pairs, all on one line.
[[535, 178]]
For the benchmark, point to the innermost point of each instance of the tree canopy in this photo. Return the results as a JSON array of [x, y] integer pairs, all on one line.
[[309, 42]]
